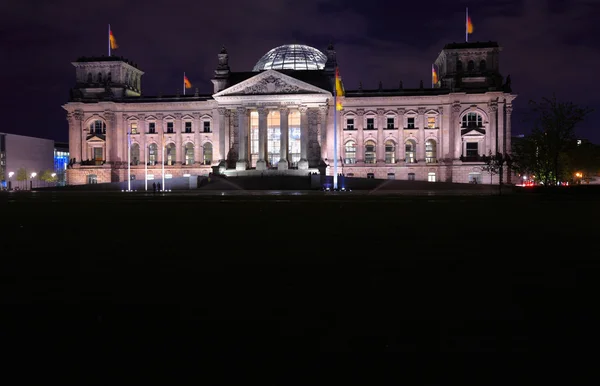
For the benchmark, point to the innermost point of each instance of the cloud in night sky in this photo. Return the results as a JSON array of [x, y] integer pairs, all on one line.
[[548, 46]]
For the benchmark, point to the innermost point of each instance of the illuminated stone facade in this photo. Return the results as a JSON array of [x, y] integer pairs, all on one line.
[[434, 134]]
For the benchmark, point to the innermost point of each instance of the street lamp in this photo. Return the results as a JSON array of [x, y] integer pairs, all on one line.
[[10, 174], [31, 182]]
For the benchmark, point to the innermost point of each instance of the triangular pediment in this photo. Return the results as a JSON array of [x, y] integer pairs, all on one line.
[[96, 138], [270, 82], [472, 132]]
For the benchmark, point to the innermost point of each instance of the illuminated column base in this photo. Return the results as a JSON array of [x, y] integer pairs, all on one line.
[[241, 165], [303, 164], [261, 164], [282, 164]]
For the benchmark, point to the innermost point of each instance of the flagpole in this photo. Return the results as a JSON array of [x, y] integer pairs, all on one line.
[[467, 26], [335, 176], [146, 166], [432, 70], [128, 162], [109, 40], [184, 83], [163, 163]]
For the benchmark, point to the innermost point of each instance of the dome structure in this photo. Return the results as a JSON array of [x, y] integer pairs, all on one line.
[[292, 57]]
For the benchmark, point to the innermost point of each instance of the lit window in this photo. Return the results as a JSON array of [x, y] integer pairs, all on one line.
[[390, 152], [370, 152], [431, 122], [350, 151], [431, 177]]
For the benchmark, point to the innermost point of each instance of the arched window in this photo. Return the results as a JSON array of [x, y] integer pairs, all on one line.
[[152, 154], [410, 148], [135, 154], [459, 66], [294, 137], [99, 77], [390, 152], [350, 152], [171, 154], [472, 120], [370, 152], [482, 65], [109, 77], [430, 151], [189, 153], [471, 65], [90, 80], [273, 138], [208, 153], [98, 127]]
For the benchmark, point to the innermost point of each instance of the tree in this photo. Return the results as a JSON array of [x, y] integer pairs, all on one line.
[[47, 176], [21, 176], [552, 137], [496, 164]]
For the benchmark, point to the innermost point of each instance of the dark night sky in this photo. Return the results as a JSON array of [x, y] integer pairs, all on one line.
[[549, 46]]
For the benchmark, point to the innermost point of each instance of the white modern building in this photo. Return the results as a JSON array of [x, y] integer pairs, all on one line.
[[23, 160], [279, 119]]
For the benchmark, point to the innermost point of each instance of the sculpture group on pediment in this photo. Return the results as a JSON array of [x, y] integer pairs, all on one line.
[[271, 85]]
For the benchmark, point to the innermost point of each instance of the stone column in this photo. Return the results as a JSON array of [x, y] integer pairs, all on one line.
[[401, 145], [380, 137], [508, 130], [109, 138], [360, 137], [197, 139], [284, 113], [439, 148], [160, 143], [75, 133], [222, 133], [242, 163], [83, 139], [142, 137], [323, 131], [178, 129], [493, 109], [261, 164], [421, 125], [303, 163], [454, 130], [500, 127]]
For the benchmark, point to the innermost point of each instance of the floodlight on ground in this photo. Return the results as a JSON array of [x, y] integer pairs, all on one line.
[[33, 174], [53, 175], [10, 174]]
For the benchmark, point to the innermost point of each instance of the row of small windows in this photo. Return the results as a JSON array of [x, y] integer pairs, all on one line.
[[170, 154], [392, 176], [187, 127], [468, 120], [390, 152], [390, 123], [471, 65], [99, 127], [130, 79]]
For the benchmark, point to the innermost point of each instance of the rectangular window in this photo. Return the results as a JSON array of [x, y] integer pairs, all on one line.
[[411, 176], [390, 122], [431, 122], [350, 124], [188, 127], [431, 177], [151, 128], [207, 126], [370, 123], [410, 122], [170, 127], [134, 128], [472, 149]]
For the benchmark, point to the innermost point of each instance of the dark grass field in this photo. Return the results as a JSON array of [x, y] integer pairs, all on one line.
[[131, 274]]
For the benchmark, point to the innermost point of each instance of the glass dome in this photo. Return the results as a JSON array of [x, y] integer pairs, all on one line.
[[292, 57]]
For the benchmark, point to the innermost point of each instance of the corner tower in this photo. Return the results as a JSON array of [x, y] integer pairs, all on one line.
[[106, 78], [469, 66]]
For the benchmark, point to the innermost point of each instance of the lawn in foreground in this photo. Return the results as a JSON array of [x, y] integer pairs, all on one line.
[[322, 272]]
